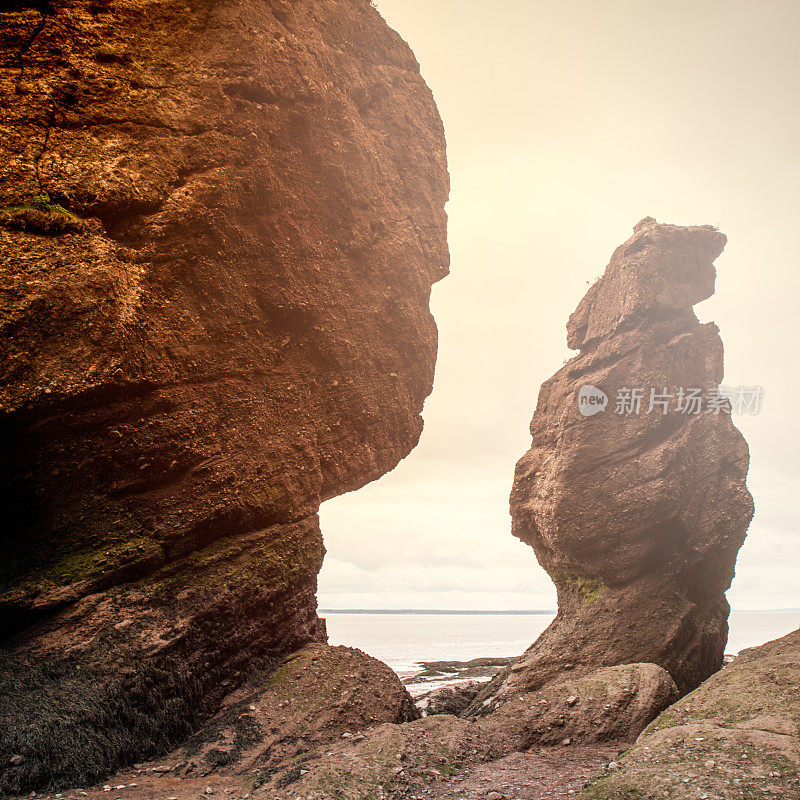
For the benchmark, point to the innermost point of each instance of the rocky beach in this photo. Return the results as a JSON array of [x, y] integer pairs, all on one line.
[[221, 223]]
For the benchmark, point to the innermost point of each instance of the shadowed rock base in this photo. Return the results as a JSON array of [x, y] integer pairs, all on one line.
[[132, 671], [735, 737], [324, 726]]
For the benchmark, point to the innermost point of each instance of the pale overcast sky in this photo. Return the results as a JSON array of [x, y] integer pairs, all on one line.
[[567, 122]]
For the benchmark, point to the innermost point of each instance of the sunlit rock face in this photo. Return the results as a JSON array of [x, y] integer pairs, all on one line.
[[637, 515], [216, 319]]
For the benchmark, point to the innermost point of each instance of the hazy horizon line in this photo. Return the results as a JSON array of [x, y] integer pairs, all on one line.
[[507, 611]]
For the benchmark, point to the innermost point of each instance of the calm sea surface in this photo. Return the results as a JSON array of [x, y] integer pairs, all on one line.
[[403, 640]]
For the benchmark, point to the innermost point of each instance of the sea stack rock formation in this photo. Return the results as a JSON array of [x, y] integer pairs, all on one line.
[[220, 226], [637, 513]]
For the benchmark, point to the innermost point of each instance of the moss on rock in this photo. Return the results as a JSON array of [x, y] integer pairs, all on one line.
[[40, 215]]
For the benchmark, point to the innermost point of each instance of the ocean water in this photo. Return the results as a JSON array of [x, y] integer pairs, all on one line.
[[402, 640]]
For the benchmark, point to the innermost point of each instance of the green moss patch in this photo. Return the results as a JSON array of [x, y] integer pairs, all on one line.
[[107, 54], [262, 565], [89, 563], [40, 215], [588, 588]]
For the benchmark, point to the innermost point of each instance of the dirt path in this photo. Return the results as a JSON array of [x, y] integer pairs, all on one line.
[[147, 785], [548, 773], [551, 773]]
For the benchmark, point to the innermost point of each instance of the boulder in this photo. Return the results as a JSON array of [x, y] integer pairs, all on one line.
[[449, 699], [316, 696], [612, 704], [736, 736]]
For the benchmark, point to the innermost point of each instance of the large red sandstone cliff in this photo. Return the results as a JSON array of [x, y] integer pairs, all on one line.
[[220, 224]]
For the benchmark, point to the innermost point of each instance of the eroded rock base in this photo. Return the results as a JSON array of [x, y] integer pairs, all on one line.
[[129, 673]]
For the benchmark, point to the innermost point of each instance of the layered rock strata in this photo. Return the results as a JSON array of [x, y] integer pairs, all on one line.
[[220, 226]]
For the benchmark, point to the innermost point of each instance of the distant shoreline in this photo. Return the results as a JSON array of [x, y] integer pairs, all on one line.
[[423, 611], [484, 612]]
